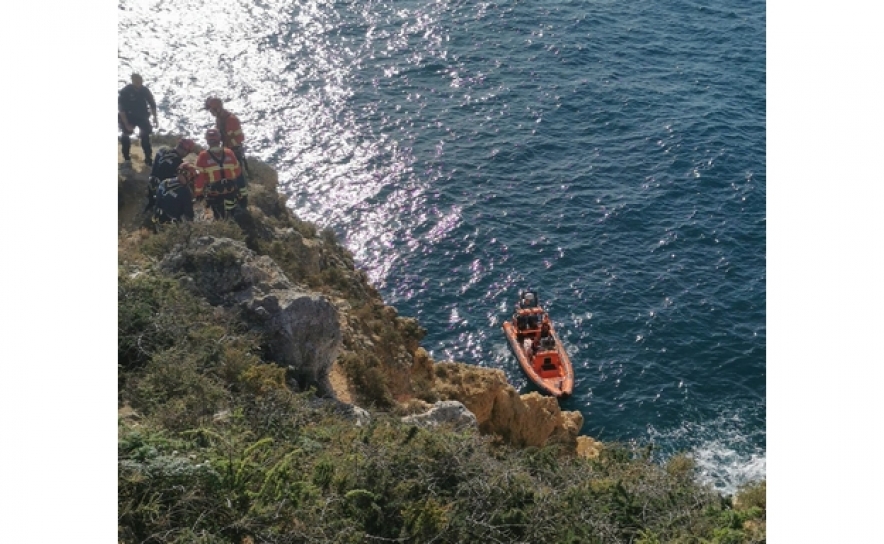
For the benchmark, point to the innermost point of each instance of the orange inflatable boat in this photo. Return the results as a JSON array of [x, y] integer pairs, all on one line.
[[537, 347]]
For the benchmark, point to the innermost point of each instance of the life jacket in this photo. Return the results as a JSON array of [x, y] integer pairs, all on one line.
[[219, 170]]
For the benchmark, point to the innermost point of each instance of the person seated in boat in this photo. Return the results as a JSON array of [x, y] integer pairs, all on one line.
[[532, 321], [546, 339], [528, 345]]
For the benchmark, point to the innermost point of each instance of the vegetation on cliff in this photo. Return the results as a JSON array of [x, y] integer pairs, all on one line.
[[217, 444]]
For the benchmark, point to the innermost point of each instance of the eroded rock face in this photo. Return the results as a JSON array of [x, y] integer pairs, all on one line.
[[446, 412], [526, 420], [301, 328]]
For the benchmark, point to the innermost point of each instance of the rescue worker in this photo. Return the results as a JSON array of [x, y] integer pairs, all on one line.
[[132, 105], [546, 339], [218, 171], [174, 199], [165, 165], [232, 137]]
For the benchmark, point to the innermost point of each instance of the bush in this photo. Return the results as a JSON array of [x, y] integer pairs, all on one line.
[[752, 495], [143, 326], [368, 380], [315, 477], [681, 466], [173, 234]]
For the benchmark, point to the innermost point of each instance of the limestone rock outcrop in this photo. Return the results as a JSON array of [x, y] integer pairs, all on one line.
[[588, 447], [301, 328], [446, 412], [521, 420]]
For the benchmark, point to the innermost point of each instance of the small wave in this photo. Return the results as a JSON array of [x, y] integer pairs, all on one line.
[[727, 455], [727, 469]]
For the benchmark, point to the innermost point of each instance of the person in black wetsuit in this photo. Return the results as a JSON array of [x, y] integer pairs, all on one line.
[[132, 111], [174, 199], [165, 166]]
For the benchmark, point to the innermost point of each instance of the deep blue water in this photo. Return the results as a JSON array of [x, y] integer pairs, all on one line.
[[610, 154]]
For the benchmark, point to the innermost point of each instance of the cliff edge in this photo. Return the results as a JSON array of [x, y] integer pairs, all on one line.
[[319, 318]]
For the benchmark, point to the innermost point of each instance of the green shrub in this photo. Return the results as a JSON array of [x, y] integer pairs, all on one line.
[[368, 379], [425, 519], [174, 390], [752, 495], [259, 379], [152, 314], [285, 256], [174, 234], [728, 536], [680, 466]]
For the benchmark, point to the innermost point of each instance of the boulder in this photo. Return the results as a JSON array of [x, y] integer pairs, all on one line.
[[449, 412], [588, 447], [300, 328]]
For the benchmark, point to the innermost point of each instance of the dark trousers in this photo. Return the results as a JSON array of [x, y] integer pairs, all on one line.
[[144, 130], [243, 191], [241, 184], [222, 206], [216, 204]]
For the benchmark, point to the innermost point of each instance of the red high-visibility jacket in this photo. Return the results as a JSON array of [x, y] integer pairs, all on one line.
[[231, 132], [211, 171]]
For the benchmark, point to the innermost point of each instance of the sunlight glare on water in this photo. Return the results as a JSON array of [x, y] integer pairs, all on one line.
[[279, 66]]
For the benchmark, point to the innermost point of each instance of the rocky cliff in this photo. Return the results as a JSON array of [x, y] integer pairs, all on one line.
[[322, 321]]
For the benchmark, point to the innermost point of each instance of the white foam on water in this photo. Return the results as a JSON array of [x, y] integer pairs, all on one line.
[[727, 469], [726, 456]]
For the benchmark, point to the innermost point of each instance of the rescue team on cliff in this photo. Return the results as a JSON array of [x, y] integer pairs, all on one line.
[[174, 185]]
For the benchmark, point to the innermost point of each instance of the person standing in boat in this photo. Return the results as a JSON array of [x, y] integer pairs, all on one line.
[[546, 339], [522, 318], [528, 303]]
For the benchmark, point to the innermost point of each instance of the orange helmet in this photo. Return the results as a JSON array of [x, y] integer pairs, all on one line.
[[186, 144], [190, 171], [213, 102]]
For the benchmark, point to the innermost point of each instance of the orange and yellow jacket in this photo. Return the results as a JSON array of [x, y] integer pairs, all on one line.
[[230, 129], [215, 165]]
